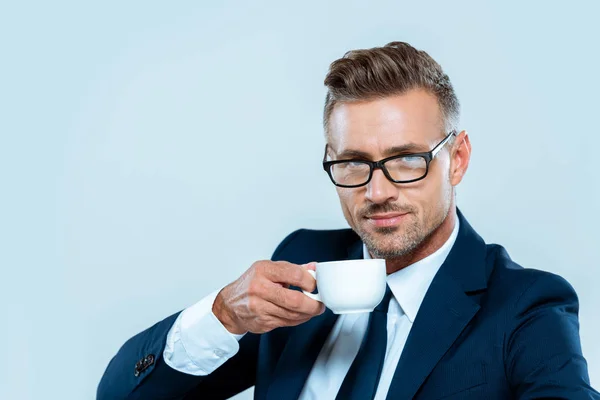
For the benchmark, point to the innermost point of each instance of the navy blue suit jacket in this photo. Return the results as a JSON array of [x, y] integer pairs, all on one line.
[[487, 329]]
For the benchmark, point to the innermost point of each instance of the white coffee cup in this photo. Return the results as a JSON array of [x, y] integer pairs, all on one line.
[[350, 286]]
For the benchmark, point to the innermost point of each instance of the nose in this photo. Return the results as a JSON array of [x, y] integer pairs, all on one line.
[[380, 189]]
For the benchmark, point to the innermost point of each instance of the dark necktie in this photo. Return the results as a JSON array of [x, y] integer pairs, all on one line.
[[362, 378]]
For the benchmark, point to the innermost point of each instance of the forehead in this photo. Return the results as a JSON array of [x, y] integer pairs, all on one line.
[[376, 125]]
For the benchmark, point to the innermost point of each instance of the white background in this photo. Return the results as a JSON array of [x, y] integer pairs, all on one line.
[[150, 152]]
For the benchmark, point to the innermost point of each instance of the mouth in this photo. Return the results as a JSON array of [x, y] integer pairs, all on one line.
[[386, 219]]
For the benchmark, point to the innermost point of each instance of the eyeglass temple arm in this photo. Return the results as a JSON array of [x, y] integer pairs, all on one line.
[[442, 143]]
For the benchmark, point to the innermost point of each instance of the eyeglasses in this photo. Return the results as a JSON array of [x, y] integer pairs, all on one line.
[[404, 168]]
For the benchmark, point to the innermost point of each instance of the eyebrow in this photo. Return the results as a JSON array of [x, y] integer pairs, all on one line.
[[405, 148]]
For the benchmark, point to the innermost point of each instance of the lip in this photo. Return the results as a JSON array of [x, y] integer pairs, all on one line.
[[386, 219]]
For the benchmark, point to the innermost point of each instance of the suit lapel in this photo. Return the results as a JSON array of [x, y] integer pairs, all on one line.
[[303, 348], [446, 310], [443, 315]]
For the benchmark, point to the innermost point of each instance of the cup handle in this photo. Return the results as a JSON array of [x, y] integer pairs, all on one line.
[[313, 296]]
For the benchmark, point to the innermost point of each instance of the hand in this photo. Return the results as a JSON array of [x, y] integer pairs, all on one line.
[[260, 300]]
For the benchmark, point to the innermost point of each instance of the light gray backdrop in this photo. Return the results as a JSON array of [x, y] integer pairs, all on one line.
[[151, 151]]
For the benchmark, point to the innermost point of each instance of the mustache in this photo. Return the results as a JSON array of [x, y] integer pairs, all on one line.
[[385, 208]]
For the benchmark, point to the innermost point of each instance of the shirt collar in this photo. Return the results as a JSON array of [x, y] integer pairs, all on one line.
[[410, 284]]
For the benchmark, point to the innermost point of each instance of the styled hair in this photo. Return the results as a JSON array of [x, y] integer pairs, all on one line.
[[393, 69]]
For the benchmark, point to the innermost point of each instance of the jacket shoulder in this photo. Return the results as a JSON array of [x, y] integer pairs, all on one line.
[[514, 281]]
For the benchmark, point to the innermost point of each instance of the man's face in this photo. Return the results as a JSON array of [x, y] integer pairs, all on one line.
[[393, 219]]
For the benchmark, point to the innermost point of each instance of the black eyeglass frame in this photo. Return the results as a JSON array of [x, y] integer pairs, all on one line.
[[428, 156]]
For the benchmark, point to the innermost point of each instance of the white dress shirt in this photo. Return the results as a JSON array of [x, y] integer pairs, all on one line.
[[198, 343]]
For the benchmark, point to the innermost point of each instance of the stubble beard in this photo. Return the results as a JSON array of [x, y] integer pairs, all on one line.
[[400, 241]]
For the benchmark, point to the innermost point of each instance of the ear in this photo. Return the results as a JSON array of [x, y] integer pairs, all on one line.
[[460, 156]]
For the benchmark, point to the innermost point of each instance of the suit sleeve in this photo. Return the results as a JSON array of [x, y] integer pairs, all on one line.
[[160, 381], [157, 380], [544, 357]]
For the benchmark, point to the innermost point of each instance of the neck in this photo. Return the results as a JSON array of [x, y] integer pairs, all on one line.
[[430, 245]]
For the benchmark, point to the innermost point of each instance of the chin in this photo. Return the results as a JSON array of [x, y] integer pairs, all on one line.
[[390, 252], [391, 242], [385, 246]]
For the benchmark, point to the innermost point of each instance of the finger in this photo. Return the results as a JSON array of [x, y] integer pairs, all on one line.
[[268, 316], [288, 316], [271, 322], [287, 273], [292, 300]]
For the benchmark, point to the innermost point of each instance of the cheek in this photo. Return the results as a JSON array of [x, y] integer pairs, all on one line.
[[425, 196], [350, 201], [435, 193]]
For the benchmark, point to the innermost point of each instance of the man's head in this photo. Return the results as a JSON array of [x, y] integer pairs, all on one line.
[[388, 101]]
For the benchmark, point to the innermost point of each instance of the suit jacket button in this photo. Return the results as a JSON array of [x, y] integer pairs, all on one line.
[[143, 364], [149, 360]]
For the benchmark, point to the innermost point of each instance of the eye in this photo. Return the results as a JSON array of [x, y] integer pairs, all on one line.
[[408, 160], [355, 164]]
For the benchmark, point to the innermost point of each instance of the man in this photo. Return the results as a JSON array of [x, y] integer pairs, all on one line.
[[461, 319]]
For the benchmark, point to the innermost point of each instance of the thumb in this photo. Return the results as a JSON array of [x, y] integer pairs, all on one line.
[[311, 265]]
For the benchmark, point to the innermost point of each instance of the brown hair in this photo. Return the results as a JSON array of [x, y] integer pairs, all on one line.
[[392, 69]]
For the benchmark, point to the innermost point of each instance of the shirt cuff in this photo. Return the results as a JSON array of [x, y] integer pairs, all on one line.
[[198, 343]]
